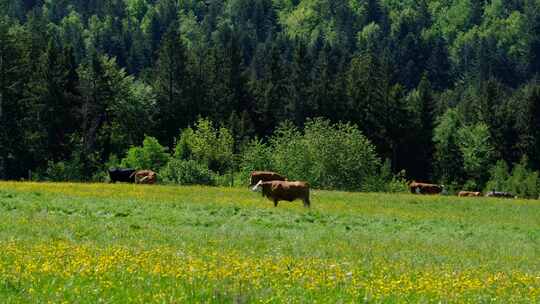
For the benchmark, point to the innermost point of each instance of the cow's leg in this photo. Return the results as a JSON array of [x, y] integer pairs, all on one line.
[[306, 202], [275, 203]]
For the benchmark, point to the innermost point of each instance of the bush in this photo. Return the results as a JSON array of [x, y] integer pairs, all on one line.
[[151, 156], [522, 181], [256, 157], [329, 156], [63, 171], [448, 159], [187, 172], [207, 145], [498, 177], [289, 155], [471, 185], [385, 181], [477, 152]]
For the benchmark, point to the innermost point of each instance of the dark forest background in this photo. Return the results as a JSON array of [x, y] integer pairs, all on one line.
[[443, 89]]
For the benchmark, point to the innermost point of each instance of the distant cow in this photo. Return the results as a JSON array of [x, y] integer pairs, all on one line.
[[125, 175], [284, 191], [145, 177], [500, 194], [264, 176], [423, 188], [469, 193]]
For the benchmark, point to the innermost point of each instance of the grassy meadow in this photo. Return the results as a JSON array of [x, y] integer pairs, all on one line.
[[93, 243]]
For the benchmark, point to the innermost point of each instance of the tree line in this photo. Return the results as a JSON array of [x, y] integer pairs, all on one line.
[[443, 89]]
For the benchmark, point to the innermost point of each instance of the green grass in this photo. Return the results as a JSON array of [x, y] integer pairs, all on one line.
[[87, 243]]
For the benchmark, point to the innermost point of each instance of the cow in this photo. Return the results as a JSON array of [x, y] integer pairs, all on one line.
[[145, 177], [500, 194], [469, 193], [284, 191], [125, 175], [264, 176], [423, 188]]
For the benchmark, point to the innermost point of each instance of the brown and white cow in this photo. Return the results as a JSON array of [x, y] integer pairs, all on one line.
[[145, 177], [284, 191], [424, 188], [469, 193], [264, 176]]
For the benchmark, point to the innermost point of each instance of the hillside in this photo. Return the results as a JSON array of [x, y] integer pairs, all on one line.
[[427, 82]]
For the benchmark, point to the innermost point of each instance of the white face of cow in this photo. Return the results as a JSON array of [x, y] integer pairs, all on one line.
[[257, 187]]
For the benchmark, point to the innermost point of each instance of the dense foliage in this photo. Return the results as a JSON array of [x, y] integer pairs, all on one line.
[[443, 89], [328, 156]]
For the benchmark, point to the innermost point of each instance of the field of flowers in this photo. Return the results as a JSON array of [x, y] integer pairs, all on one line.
[[90, 243]]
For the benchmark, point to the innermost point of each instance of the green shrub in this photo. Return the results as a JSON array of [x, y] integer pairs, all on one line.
[[475, 145], [498, 177], [228, 180], [182, 149], [329, 156], [208, 145], [398, 183], [448, 157], [385, 181], [255, 157], [289, 154], [187, 172], [151, 156], [471, 185], [522, 181], [63, 171]]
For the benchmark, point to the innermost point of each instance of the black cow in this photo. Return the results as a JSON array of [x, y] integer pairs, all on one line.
[[126, 175]]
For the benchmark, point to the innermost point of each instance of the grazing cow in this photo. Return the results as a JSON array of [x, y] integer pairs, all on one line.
[[284, 191], [500, 194], [423, 188], [122, 175], [264, 176], [469, 193], [145, 177]]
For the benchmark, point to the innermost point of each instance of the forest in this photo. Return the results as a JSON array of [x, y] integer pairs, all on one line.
[[432, 90]]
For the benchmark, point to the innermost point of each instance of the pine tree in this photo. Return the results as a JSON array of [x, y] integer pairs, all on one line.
[[301, 104], [534, 103], [374, 12], [172, 84], [14, 71], [53, 94], [424, 134], [366, 93], [227, 86], [98, 91], [274, 91]]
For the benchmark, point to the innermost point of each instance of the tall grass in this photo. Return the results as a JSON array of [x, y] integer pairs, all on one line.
[[87, 243]]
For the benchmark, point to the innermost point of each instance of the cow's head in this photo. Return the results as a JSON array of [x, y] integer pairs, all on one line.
[[258, 186], [444, 191]]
